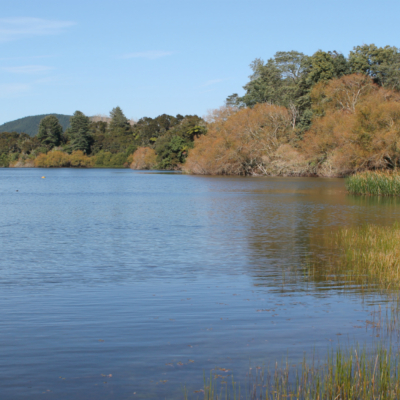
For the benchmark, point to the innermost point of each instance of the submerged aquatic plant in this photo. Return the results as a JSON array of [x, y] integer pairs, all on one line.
[[379, 183]]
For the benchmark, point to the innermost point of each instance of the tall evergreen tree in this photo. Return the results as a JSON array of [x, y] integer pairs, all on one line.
[[118, 120], [50, 131], [79, 132]]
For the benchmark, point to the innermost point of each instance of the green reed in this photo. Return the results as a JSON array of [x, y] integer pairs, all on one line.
[[352, 374], [380, 183]]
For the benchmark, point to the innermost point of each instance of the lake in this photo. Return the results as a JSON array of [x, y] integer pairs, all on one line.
[[121, 284]]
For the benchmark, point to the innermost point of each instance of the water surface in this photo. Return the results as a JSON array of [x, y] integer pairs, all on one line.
[[116, 284]]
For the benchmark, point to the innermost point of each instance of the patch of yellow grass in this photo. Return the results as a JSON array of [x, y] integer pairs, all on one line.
[[370, 253]]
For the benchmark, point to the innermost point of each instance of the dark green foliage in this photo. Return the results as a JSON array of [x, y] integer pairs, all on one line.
[[114, 137], [325, 66], [78, 134], [172, 148], [107, 159], [148, 130], [277, 81], [381, 63], [30, 125], [4, 160], [50, 132], [171, 151], [13, 144], [118, 120], [113, 142]]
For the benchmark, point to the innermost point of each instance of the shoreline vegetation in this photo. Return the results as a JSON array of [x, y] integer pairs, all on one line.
[[344, 374], [377, 183], [323, 115], [363, 255]]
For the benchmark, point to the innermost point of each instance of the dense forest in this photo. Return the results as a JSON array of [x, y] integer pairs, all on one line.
[[323, 115]]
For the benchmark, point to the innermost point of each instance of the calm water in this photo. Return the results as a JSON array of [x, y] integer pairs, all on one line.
[[117, 284]]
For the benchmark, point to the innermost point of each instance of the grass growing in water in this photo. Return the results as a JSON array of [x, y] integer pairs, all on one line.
[[352, 374], [368, 255], [374, 183]]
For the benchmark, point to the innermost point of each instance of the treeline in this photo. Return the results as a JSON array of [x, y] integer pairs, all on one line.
[[115, 143], [324, 115], [320, 115]]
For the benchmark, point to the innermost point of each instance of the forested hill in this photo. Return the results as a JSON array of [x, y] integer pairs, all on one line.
[[30, 125]]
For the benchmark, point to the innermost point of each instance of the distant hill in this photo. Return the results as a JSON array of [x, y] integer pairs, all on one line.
[[30, 125]]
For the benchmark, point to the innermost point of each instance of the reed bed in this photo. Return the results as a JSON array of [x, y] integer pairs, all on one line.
[[368, 254], [352, 374], [380, 183]]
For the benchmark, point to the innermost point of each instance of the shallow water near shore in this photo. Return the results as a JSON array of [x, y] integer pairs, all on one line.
[[120, 284]]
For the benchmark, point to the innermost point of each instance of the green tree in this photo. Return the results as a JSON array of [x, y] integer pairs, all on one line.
[[79, 134], [325, 66], [118, 120], [381, 63], [50, 132], [171, 151]]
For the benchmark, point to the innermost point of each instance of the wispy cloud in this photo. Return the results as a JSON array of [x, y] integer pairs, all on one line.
[[25, 58], [28, 69], [150, 55], [17, 28], [213, 82], [13, 89], [18, 89]]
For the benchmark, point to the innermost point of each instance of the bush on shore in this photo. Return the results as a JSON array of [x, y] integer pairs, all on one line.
[[57, 159], [358, 128], [248, 141], [144, 158], [108, 159]]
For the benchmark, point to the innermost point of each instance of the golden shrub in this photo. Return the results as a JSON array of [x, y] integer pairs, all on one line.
[[54, 158], [79, 159], [241, 142], [359, 129], [144, 158]]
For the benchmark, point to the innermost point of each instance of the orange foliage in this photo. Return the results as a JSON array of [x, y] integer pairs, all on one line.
[[246, 141], [341, 94], [144, 158], [360, 128]]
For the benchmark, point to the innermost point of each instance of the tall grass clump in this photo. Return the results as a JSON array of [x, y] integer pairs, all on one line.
[[370, 253], [382, 183], [368, 256], [352, 374]]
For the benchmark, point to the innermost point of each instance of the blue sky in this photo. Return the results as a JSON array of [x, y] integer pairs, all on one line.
[[163, 56]]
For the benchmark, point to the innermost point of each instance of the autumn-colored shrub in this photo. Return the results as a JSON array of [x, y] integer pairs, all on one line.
[[359, 127], [52, 159], [247, 141], [79, 159], [144, 158]]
